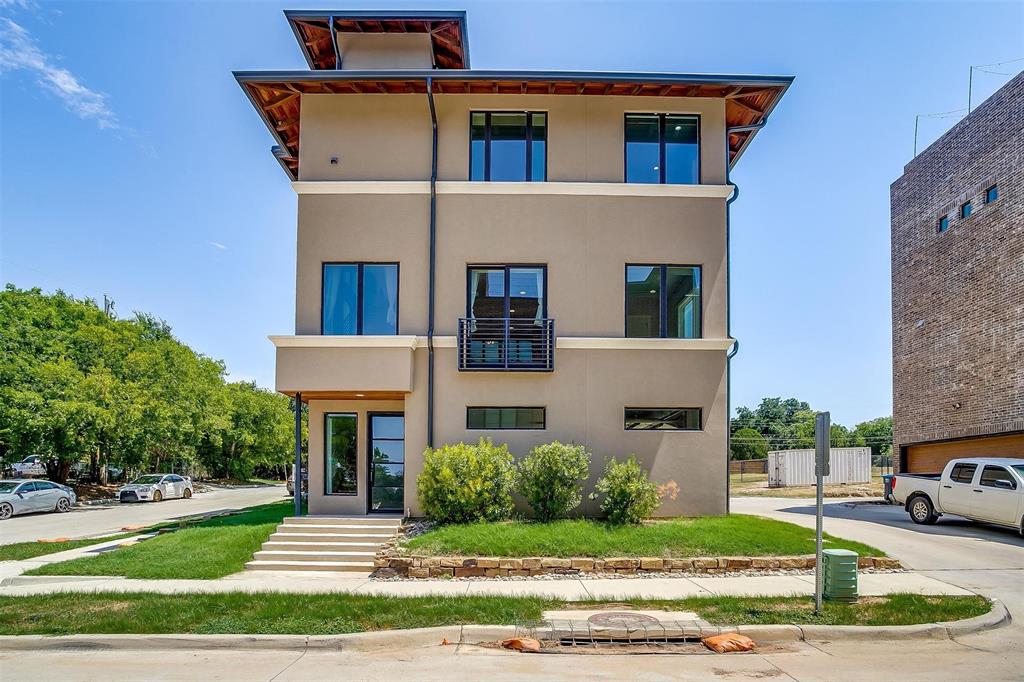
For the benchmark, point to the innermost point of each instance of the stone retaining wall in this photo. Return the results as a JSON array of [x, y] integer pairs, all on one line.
[[494, 567]]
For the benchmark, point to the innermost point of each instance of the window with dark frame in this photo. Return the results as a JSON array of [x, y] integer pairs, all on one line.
[[359, 299], [506, 418], [965, 210], [663, 301], [943, 224], [991, 194], [662, 149], [340, 452], [508, 146], [663, 418]]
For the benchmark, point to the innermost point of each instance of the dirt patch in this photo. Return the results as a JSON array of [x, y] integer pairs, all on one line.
[[87, 492]]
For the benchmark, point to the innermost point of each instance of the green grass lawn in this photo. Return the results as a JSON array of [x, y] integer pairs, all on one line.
[[29, 550], [733, 535], [212, 548], [315, 614]]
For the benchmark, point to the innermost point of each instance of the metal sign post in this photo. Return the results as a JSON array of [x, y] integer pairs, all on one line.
[[822, 433]]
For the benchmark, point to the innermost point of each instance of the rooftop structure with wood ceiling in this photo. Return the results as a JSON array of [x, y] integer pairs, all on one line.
[[524, 255]]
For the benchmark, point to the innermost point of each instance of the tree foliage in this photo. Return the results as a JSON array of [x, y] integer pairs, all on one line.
[[77, 384], [789, 425]]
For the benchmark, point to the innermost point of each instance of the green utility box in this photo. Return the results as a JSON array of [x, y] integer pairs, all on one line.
[[839, 574]]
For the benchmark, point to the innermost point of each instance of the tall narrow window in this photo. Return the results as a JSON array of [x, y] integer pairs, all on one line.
[[340, 447], [943, 223], [991, 194], [663, 301], [662, 148], [965, 210], [360, 298], [508, 146]]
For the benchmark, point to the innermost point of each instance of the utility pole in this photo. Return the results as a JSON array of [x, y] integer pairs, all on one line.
[[108, 307], [822, 433]]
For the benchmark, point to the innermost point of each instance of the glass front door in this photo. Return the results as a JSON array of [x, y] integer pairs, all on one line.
[[387, 462]]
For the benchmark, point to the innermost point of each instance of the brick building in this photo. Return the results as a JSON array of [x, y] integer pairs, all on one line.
[[958, 291]]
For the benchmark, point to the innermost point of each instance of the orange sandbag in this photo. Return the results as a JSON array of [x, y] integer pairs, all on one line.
[[54, 540], [521, 644], [728, 643]]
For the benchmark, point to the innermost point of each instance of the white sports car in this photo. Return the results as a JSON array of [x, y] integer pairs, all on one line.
[[26, 496], [156, 487]]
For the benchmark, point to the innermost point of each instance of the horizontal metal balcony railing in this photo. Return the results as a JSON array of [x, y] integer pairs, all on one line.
[[506, 344]]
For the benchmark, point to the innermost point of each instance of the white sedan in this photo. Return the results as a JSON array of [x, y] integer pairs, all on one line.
[[27, 496], [156, 487]]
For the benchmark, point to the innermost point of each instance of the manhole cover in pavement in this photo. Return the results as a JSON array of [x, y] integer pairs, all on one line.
[[621, 618]]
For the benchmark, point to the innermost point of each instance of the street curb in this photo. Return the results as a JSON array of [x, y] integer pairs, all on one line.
[[475, 634]]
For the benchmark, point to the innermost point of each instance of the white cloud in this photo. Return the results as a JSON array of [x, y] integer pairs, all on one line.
[[218, 246], [19, 51]]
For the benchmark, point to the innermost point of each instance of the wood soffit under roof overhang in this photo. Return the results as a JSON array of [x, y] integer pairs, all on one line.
[[278, 95], [447, 30]]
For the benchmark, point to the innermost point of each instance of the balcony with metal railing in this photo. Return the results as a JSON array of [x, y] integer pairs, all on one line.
[[506, 344]]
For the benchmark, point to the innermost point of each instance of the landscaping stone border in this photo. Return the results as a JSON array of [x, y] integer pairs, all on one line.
[[387, 565]]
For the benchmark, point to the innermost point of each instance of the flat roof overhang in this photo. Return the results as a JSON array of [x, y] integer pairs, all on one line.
[[276, 95], [449, 36]]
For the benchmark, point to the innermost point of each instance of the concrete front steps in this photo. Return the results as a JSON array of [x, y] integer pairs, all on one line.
[[325, 543]]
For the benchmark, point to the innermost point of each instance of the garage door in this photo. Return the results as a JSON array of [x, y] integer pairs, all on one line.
[[932, 457]]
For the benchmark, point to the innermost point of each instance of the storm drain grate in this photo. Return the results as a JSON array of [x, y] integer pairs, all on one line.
[[614, 628]]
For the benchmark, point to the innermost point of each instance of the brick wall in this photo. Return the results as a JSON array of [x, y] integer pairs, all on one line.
[[958, 296]]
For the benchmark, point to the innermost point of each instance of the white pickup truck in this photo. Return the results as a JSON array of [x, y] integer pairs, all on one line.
[[989, 489]]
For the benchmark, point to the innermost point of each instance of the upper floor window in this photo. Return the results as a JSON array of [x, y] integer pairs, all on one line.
[[965, 210], [663, 301], [943, 223], [507, 291], [991, 194], [662, 148], [508, 146], [359, 298]]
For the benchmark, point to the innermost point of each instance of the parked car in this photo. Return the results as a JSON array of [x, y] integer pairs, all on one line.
[[989, 489], [33, 465], [20, 496], [156, 487]]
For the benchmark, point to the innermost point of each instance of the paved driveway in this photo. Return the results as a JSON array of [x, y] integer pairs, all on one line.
[[86, 521]]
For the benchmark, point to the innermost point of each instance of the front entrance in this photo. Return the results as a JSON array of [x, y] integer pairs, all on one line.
[[387, 462]]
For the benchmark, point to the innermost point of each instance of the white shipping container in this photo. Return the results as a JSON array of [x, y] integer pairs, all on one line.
[[796, 467]]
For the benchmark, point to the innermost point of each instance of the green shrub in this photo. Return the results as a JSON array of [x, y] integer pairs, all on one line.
[[629, 497], [550, 477], [461, 483]]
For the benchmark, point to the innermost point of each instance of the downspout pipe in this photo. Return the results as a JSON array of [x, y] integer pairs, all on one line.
[[728, 298], [433, 262]]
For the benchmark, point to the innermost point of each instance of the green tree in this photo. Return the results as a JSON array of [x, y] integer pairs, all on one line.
[[77, 384], [747, 443]]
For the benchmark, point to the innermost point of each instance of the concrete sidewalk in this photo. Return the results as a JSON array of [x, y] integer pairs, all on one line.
[[571, 588]]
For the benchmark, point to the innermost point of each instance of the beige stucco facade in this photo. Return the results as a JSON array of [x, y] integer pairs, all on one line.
[[373, 206]]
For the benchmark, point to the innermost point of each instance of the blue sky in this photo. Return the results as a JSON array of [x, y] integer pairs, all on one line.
[[131, 164]]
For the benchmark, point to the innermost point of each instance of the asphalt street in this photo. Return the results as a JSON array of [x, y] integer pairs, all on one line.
[[87, 521]]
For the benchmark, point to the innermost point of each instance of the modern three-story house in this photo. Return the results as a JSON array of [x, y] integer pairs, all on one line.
[[524, 255]]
